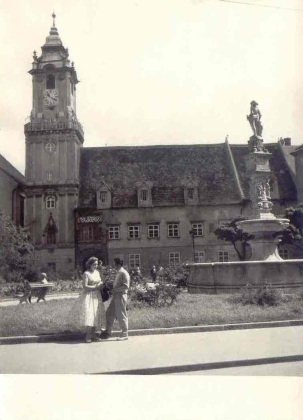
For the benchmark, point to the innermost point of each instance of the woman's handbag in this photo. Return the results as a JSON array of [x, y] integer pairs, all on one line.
[[105, 293]]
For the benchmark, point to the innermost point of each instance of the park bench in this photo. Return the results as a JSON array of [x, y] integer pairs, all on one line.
[[38, 290]]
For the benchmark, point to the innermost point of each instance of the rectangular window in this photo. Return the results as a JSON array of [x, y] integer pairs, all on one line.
[[134, 260], [200, 256], [197, 229], [134, 231], [144, 195], [173, 230], [103, 196], [49, 176], [153, 231], [223, 256], [87, 233], [191, 193], [174, 259], [284, 254], [50, 202], [114, 232]]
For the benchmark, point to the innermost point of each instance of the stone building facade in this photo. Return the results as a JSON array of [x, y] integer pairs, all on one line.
[[11, 192], [152, 205]]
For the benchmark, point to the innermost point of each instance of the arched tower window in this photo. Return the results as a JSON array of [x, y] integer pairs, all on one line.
[[50, 230], [50, 81]]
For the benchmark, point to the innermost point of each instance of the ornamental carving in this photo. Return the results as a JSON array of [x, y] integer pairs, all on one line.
[[90, 219], [263, 194]]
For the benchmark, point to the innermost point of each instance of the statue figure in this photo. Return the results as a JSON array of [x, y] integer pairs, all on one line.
[[254, 119], [263, 190]]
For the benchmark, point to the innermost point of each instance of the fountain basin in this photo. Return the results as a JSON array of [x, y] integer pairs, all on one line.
[[230, 277]]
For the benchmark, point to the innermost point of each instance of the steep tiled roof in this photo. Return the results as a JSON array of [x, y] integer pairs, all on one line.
[[280, 164], [168, 168], [11, 170]]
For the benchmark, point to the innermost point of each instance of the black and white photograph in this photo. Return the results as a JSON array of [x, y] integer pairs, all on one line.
[[151, 209]]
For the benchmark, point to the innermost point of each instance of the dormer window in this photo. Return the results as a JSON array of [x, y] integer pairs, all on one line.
[[50, 81], [144, 194], [191, 193], [104, 197]]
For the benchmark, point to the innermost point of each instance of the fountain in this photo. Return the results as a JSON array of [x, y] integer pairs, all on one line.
[[265, 265]]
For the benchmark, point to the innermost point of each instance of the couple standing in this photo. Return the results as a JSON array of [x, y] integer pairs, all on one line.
[[93, 307]]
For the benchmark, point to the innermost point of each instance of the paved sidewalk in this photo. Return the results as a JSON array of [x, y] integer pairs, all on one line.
[[15, 301], [157, 354]]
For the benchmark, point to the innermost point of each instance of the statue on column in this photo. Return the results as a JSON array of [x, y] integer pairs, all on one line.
[[254, 119], [256, 141]]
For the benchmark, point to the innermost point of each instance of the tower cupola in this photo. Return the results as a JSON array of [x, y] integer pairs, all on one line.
[[54, 86]]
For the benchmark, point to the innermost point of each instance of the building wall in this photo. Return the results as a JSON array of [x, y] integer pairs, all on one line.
[[7, 186], [156, 250], [11, 196], [63, 162], [38, 215], [59, 258]]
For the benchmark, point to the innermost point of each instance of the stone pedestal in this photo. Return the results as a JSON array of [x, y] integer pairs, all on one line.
[[264, 244]]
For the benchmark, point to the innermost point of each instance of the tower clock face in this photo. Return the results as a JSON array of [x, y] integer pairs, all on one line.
[[50, 98]]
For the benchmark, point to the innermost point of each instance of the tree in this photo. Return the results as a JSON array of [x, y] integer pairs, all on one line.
[[16, 252], [293, 234], [230, 232]]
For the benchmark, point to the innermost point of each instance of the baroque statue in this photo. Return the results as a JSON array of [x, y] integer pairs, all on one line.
[[255, 143], [254, 119]]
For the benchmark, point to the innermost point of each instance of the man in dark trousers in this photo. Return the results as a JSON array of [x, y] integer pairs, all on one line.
[[117, 306]]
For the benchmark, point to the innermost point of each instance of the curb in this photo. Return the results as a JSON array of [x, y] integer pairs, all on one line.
[[156, 331]]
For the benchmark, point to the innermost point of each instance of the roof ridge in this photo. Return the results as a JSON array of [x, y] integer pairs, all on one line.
[[164, 146]]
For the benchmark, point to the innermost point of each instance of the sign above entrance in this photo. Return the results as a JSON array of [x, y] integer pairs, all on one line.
[[90, 219]]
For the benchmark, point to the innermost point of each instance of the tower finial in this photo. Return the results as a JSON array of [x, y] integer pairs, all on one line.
[[54, 30], [54, 17]]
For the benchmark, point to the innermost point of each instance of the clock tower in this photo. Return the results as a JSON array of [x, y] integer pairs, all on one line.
[[54, 138]]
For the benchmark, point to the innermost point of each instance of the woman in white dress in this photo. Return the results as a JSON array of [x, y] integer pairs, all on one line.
[[92, 305]]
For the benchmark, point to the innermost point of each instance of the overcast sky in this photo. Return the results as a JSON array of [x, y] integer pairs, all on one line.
[[160, 71]]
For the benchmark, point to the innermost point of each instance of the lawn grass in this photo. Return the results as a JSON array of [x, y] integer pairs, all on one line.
[[189, 310]]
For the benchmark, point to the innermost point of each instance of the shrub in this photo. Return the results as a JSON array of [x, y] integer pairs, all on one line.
[[16, 252], [261, 295], [177, 275], [160, 294], [11, 290]]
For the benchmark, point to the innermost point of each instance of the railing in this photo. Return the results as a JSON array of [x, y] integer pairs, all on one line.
[[53, 125]]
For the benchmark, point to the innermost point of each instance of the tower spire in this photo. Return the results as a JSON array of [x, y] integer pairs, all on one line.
[[54, 30]]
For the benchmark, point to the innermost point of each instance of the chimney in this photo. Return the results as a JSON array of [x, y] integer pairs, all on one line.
[[287, 141]]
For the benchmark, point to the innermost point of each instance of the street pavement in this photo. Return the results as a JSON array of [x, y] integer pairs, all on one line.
[[158, 354]]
